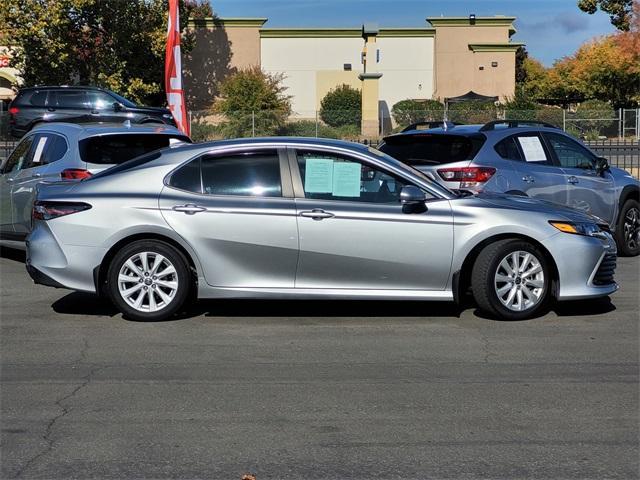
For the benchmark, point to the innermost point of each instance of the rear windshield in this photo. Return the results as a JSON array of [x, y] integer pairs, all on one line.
[[118, 148], [435, 149]]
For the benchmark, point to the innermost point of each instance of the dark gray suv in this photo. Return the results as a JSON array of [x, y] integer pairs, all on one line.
[[77, 104]]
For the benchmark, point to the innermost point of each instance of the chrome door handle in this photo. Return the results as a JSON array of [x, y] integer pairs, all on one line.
[[11, 180], [316, 214], [572, 180], [36, 175], [189, 209], [528, 179]]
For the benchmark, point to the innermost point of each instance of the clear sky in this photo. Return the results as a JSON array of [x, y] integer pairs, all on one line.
[[551, 29]]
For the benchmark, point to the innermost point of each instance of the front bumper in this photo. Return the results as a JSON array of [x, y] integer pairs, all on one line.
[[585, 267]]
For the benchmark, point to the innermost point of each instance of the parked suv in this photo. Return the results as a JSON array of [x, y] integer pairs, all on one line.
[[77, 105], [63, 151], [526, 158]]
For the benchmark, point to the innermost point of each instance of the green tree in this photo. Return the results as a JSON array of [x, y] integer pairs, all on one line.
[[521, 72], [473, 111], [619, 10], [115, 44], [253, 103], [406, 112], [341, 106]]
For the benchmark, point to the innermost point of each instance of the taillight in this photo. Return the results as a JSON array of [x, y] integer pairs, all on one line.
[[467, 176], [13, 110], [75, 174], [43, 210]]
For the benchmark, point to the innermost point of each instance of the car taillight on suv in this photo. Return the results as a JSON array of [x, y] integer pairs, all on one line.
[[75, 174], [467, 176], [13, 111]]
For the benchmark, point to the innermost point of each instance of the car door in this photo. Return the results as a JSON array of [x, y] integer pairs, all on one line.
[[236, 210], [102, 108], [68, 105], [538, 175], [48, 148], [586, 189], [354, 233], [10, 171]]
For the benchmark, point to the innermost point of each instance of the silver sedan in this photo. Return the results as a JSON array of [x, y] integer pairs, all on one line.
[[307, 218]]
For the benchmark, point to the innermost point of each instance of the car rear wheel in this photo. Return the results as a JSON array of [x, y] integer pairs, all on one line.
[[148, 280], [511, 280], [628, 229]]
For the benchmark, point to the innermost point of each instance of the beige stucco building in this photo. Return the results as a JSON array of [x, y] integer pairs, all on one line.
[[448, 57]]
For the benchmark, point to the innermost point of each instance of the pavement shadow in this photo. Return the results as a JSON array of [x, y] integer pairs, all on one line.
[[578, 308], [13, 254], [80, 303]]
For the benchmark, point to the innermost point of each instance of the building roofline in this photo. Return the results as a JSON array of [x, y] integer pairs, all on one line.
[[497, 21], [225, 22], [296, 32]]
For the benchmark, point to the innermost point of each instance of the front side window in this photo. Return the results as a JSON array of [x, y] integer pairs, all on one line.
[[19, 158], [570, 153], [327, 176], [255, 174], [100, 100]]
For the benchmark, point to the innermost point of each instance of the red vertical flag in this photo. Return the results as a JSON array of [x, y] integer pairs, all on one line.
[[173, 70]]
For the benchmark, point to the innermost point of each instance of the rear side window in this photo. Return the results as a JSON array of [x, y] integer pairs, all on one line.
[[31, 98], [188, 177], [118, 148], [68, 99], [255, 174], [55, 150], [508, 149], [424, 149]]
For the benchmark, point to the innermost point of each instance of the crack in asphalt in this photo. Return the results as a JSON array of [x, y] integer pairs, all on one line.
[[64, 411]]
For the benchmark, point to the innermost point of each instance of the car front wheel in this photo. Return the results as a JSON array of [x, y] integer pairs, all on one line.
[[511, 280], [148, 280], [628, 229]]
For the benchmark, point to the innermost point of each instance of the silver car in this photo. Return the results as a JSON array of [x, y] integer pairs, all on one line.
[[529, 159], [65, 151], [306, 218]]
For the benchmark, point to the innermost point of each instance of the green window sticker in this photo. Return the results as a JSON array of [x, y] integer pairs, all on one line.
[[318, 175], [346, 179]]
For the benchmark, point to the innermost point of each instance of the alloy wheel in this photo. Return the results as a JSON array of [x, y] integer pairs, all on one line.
[[148, 281], [519, 281], [632, 228]]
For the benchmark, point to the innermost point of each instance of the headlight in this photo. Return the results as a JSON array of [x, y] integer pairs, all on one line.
[[588, 229]]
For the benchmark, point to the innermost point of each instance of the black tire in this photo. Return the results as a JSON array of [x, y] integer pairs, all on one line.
[[628, 241], [182, 276], [483, 279]]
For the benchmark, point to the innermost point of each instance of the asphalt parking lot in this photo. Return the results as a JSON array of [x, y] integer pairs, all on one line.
[[316, 390]]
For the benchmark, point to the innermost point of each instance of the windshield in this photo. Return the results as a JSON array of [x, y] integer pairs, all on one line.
[[441, 189], [122, 100], [433, 149]]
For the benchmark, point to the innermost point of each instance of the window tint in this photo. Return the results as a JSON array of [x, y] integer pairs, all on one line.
[[34, 98], [129, 165], [332, 177], [56, 148], [251, 174], [508, 149], [100, 100], [188, 177], [19, 157], [68, 99], [570, 153], [118, 148], [434, 149]]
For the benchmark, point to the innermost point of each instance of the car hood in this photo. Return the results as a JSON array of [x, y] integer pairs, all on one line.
[[517, 202]]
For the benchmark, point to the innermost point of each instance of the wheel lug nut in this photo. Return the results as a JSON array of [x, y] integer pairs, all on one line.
[[153, 285], [155, 278], [146, 274], [140, 281], [146, 288]]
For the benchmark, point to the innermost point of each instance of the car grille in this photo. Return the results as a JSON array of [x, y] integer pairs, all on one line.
[[604, 275]]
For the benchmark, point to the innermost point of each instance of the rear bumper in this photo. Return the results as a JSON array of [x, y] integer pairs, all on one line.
[[42, 279]]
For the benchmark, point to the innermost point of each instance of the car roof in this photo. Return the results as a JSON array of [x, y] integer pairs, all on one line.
[[50, 87], [467, 130], [310, 141], [91, 129]]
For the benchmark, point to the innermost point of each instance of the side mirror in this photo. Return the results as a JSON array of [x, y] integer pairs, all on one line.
[[410, 195], [412, 199], [602, 165], [117, 106]]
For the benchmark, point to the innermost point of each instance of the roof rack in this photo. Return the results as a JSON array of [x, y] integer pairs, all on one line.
[[513, 124], [431, 124]]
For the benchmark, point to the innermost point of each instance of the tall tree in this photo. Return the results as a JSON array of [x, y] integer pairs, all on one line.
[[115, 44], [619, 10], [521, 72]]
